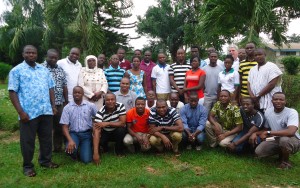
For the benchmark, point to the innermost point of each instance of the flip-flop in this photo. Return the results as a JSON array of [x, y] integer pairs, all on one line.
[[30, 173]]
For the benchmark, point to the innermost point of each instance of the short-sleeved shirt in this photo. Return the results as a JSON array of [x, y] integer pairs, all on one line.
[[211, 80], [258, 120], [60, 80], [32, 86], [78, 117], [148, 70], [139, 123], [168, 120], [282, 120], [228, 117], [113, 77], [103, 116], [161, 75], [192, 80], [125, 64], [128, 100], [228, 80], [244, 69], [178, 71], [178, 107]]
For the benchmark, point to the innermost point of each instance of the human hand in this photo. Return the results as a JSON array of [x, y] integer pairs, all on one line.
[[155, 129], [54, 110], [71, 147], [167, 143], [96, 159], [221, 137], [24, 118]]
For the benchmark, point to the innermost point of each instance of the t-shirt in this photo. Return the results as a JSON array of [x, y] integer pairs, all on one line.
[[161, 75], [192, 80], [178, 107], [244, 69], [228, 80], [139, 123], [178, 71], [258, 120], [211, 80], [128, 100], [125, 64]]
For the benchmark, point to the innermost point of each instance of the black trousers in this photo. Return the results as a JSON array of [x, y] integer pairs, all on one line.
[[58, 137], [42, 125], [117, 136]]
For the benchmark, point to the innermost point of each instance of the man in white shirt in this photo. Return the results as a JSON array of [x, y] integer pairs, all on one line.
[[174, 102], [233, 50]]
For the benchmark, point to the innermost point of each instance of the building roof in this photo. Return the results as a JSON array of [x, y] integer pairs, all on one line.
[[291, 47]]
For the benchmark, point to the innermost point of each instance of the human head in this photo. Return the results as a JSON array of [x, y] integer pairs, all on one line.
[[213, 58], [29, 53], [136, 61], [210, 50], [121, 54], [101, 60], [195, 62], [110, 101], [193, 99], [90, 61], [247, 104], [260, 56], [52, 57], [279, 101], [195, 51], [233, 50], [250, 47], [174, 99], [180, 55], [78, 94], [124, 85], [114, 60], [150, 96], [224, 97], [147, 56], [242, 54], [140, 104], [228, 61], [161, 58], [161, 107], [138, 53], [74, 55]]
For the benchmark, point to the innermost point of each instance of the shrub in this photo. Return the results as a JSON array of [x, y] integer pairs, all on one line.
[[290, 86], [291, 64], [4, 71]]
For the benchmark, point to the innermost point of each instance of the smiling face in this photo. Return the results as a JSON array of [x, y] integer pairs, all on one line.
[[250, 49], [91, 63], [180, 55], [74, 55], [195, 63], [260, 56], [224, 97], [52, 58], [233, 52], [228, 63], [147, 56], [140, 106], [114, 61], [77, 94], [110, 101], [279, 101], [124, 85], [174, 99], [161, 108], [136, 63]]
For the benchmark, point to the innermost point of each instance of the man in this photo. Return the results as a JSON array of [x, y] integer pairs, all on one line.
[[101, 61], [194, 117], [124, 95], [165, 127], [233, 50], [137, 53], [283, 124], [123, 63], [242, 54], [253, 121], [147, 65], [225, 121], [160, 78], [177, 73], [264, 80], [31, 91], [151, 99], [114, 74], [109, 125], [77, 126], [245, 68], [137, 126], [72, 67], [212, 71], [61, 95], [174, 102], [219, 62], [195, 53]]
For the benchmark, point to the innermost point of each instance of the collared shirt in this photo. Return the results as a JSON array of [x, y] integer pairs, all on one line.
[[178, 107], [71, 71], [113, 77], [168, 120], [60, 80], [244, 69], [147, 67], [258, 120], [32, 86], [236, 64], [228, 80], [103, 115], [125, 64], [178, 71], [193, 118], [229, 117], [139, 123], [78, 117], [161, 75], [128, 100]]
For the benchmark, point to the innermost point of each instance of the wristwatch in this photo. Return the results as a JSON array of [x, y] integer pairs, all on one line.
[[269, 133]]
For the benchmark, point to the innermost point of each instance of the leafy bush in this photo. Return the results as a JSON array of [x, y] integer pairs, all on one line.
[[291, 64], [4, 71], [290, 86]]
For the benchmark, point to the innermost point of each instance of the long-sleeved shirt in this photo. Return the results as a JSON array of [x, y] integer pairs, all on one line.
[[193, 118]]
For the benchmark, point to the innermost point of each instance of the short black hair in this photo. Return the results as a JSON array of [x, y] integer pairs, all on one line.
[[136, 57], [225, 91], [140, 99], [248, 98], [195, 46], [229, 56]]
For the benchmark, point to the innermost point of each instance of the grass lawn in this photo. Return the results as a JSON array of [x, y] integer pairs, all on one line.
[[208, 168]]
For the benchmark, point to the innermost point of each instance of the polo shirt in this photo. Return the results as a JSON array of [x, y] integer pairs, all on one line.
[[128, 99], [244, 69], [161, 75], [228, 80], [113, 77], [178, 71], [125, 64], [139, 123]]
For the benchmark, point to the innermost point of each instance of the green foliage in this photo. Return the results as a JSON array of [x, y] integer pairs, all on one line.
[[291, 64], [294, 38], [4, 71], [8, 114], [290, 86]]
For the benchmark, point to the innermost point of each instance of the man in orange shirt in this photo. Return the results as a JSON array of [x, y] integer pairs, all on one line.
[[137, 126]]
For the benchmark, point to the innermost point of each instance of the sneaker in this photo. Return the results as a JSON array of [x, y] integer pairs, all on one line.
[[189, 147], [198, 148]]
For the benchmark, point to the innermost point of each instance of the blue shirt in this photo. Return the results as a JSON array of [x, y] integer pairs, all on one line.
[[193, 118], [113, 77], [78, 117], [32, 86]]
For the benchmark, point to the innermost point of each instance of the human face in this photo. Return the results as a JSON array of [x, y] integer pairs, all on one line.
[[195, 52], [233, 52], [242, 54], [250, 49], [147, 56], [140, 106], [121, 54], [110, 101], [101, 59], [150, 96], [193, 100], [161, 108], [161, 58], [247, 105], [180, 55], [174, 99], [260, 56], [52, 58], [136, 63], [224, 97], [125, 84], [228, 63], [30, 54], [91, 63], [114, 61], [195, 63], [278, 101], [74, 55], [77, 94], [138, 53], [213, 57]]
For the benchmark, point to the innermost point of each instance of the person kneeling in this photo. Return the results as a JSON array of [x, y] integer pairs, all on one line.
[[77, 125], [165, 127]]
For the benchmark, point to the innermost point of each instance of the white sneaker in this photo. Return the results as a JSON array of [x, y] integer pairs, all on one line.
[[198, 148], [189, 147]]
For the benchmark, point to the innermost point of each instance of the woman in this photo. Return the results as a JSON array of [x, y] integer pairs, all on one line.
[[93, 81], [194, 80], [137, 78]]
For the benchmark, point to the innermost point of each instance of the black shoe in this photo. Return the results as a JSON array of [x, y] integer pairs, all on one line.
[[50, 165]]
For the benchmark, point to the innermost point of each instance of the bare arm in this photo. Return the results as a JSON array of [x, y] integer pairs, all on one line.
[[65, 94], [71, 144], [269, 87], [144, 83], [120, 123], [154, 84], [289, 132], [247, 135], [16, 103], [214, 123], [173, 83]]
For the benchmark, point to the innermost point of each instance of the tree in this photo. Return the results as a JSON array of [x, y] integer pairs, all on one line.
[[294, 38]]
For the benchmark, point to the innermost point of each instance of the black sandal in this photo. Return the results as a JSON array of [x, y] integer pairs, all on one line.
[[50, 165], [30, 172]]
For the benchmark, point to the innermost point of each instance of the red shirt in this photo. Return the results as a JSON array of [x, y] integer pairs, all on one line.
[[147, 68], [192, 80], [125, 64], [139, 123]]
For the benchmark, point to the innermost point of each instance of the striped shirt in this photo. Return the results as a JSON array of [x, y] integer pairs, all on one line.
[[178, 71], [113, 77], [168, 120], [78, 117], [103, 116], [244, 69]]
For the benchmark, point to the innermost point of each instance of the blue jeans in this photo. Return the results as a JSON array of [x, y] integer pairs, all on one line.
[[83, 141], [200, 138], [239, 148]]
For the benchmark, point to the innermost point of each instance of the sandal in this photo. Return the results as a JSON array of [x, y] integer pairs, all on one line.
[[50, 165], [285, 165], [30, 172]]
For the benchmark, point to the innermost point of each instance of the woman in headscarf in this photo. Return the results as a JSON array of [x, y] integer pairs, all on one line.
[[93, 81]]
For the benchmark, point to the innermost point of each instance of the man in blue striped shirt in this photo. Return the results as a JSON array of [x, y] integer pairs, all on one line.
[[77, 125], [114, 74]]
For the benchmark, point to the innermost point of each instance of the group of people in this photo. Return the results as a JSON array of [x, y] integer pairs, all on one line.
[[139, 105]]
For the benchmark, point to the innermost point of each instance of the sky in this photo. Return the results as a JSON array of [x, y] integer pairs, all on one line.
[[139, 9]]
